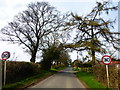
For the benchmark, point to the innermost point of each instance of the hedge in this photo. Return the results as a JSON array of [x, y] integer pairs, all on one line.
[[17, 71], [114, 74]]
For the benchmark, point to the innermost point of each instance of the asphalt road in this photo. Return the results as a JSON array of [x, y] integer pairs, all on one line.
[[63, 79]]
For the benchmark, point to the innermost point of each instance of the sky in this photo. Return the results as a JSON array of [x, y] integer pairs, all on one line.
[[10, 8]]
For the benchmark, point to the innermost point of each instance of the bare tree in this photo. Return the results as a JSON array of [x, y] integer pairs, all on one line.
[[32, 27]]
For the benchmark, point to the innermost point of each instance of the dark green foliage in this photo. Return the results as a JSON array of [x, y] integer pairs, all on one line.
[[46, 64], [54, 54], [49, 55]]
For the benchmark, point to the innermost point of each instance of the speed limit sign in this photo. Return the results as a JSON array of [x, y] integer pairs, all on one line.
[[106, 59], [5, 55]]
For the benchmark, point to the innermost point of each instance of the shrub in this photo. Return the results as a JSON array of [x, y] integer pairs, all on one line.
[[100, 74], [20, 70]]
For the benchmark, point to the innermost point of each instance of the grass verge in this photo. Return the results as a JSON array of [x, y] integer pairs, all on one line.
[[75, 69], [30, 80], [57, 68], [89, 80]]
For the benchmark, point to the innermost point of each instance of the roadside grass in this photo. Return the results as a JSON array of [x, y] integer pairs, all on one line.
[[33, 79], [28, 81], [75, 69], [89, 80], [57, 68]]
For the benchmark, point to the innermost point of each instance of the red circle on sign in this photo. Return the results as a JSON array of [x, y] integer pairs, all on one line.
[[8, 55], [108, 57]]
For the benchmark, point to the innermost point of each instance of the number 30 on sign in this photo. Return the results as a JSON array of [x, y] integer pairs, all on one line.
[[106, 59], [5, 55]]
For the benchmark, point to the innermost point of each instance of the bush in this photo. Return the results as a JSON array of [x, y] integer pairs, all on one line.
[[100, 74], [87, 65], [46, 64], [20, 70]]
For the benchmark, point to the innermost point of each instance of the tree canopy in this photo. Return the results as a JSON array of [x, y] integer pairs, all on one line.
[[33, 27], [41, 25], [54, 55], [93, 31]]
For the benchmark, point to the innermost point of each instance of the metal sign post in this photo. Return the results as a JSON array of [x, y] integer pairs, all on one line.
[[0, 74], [107, 60], [107, 76], [4, 72], [5, 55]]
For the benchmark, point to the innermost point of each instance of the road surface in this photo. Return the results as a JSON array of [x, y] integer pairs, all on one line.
[[63, 79]]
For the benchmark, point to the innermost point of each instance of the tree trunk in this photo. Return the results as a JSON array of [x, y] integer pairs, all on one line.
[[57, 63], [93, 52], [33, 56], [93, 57], [34, 52]]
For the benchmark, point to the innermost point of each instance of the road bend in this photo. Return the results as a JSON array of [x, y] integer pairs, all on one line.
[[62, 79]]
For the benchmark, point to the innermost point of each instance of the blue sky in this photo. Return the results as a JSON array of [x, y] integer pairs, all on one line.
[[10, 8]]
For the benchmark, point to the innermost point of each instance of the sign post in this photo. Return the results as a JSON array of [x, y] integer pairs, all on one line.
[[5, 55], [107, 76], [107, 60], [4, 72]]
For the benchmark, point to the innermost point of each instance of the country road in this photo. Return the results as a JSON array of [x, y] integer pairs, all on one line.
[[63, 79]]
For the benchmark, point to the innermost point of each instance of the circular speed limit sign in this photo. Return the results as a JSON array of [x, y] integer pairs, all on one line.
[[5, 55], [106, 59]]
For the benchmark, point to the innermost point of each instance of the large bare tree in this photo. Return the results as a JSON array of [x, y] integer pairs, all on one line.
[[33, 27]]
